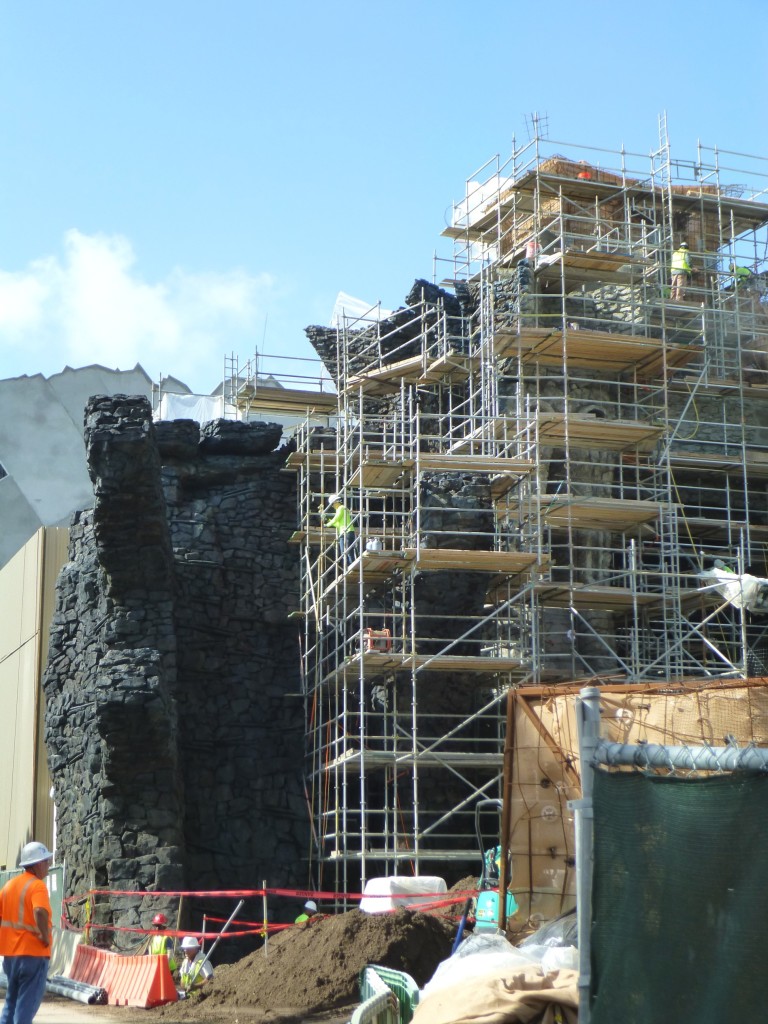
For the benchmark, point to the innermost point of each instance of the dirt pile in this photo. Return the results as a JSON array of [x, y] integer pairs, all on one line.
[[316, 967]]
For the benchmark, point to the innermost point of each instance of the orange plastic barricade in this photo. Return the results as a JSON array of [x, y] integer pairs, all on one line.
[[89, 965], [128, 980]]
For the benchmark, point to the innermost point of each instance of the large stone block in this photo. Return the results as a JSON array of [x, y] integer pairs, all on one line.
[[234, 437], [178, 439]]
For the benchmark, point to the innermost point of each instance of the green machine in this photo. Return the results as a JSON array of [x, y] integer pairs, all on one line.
[[488, 904]]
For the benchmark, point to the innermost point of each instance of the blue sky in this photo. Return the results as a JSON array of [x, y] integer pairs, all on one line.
[[185, 179]]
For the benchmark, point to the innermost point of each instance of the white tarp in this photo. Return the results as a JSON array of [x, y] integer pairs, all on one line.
[[201, 408], [351, 308], [740, 589], [479, 193], [395, 891]]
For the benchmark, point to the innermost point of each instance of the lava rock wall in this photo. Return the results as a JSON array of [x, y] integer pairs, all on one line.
[[173, 719]]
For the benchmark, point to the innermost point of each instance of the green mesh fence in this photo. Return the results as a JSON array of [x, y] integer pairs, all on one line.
[[680, 899]]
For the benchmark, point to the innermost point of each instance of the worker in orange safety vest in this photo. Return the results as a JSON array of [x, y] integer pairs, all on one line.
[[25, 935]]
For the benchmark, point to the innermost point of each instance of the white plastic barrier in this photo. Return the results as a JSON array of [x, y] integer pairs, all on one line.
[[63, 951]]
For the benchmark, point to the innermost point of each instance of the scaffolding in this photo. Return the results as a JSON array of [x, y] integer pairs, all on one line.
[[540, 465], [292, 389]]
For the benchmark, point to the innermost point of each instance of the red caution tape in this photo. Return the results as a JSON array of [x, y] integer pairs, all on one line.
[[245, 893]]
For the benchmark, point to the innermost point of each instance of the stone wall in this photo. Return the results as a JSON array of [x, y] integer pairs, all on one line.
[[174, 725]]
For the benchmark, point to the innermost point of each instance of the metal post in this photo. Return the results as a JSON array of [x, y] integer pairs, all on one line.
[[226, 925], [588, 721], [506, 810], [264, 915]]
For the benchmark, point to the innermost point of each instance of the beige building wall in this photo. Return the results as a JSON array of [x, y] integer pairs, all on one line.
[[27, 594]]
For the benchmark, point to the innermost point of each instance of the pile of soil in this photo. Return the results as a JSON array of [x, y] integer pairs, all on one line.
[[316, 967]]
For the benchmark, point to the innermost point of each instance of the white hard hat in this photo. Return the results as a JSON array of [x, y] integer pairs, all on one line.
[[311, 905], [333, 498], [190, 942], [33, 853], [683, 245]]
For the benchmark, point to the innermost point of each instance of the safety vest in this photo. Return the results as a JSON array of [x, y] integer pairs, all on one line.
[[191, 974], [19, 934], [741, 274], [342, 520], [158, 946], [680, 263]]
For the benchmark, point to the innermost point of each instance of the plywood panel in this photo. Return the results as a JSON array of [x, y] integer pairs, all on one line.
[[546, 770]]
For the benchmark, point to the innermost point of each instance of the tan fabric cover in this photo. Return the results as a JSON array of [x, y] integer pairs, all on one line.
[[525, 996]]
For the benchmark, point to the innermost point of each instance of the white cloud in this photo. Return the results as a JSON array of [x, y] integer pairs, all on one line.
[[91, 306]]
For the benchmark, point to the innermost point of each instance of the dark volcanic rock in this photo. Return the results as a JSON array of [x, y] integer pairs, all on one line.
[[171, 743], [233, 437], [177, 439]]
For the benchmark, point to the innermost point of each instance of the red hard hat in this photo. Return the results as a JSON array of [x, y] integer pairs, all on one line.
[[160, 919]]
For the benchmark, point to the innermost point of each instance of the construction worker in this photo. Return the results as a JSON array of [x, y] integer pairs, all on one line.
[[195, 968], [681, 271], [309, 914], [343, 524], [741, 276], [160, 943], [25, 935]]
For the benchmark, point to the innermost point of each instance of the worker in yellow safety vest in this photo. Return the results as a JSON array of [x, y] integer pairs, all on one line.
[[741, 276], [160, 943], [195, 968], [681, 271], [342, 522], [309, 913]]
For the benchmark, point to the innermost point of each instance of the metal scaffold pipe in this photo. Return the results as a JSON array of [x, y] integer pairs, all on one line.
[[709, 759]]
